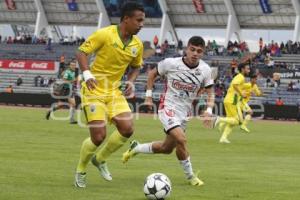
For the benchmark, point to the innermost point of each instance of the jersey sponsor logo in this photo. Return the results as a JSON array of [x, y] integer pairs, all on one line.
[[115, 45], [134, 51], [179, 85], [170, 113]]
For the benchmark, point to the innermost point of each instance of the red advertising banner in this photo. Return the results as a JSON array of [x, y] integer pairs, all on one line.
[[27, 65]]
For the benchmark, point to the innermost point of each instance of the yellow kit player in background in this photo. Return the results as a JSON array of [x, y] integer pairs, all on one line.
[[116, 47], [249, 89], [232, 103]]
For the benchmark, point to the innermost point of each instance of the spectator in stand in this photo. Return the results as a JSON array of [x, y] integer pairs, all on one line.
[[19, 80], [279, 102], [158, 51], [268, 81], [180, 44], [49, 44], [234, 65], [37, 80], [46, 82], [260, 44], [290, 86], [214, 46], [0, 39], [155, 41], [62, 61], [9, 89], [297, 85], [41, 81], [269, 62]]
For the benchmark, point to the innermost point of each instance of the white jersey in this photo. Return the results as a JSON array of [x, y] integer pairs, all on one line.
[[183, 83]]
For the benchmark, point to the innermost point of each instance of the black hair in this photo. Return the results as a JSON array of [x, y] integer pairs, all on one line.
[[196, 41], [129, 7], [242, 66], [252, 73]]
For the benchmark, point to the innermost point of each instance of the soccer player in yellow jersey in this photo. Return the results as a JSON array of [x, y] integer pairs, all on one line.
[[116, 47], [249, 89], [232, 102]]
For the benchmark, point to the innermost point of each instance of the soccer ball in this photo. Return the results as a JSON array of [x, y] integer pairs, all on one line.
[[157, 186]]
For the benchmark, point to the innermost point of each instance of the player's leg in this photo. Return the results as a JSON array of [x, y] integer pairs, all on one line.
[[182, 154], [95, 114], [120, 114], [165, 147], [226, 132], [72, 105], [231, 120], [249, 112], [56, 106], [88, 149]]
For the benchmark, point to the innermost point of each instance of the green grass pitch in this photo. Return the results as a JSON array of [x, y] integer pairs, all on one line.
[[38, 158]]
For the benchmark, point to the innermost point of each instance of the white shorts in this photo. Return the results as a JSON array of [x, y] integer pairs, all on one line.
[[172, 118]]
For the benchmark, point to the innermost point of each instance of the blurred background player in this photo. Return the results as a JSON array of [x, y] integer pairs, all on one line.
[[232, 103], [185, 77], [249, 89], [116, 47], [67, 89]]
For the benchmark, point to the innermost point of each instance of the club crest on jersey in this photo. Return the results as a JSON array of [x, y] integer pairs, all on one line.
[[92, 108], [134, 51], [197, 72], [115, 45], [179, 85]]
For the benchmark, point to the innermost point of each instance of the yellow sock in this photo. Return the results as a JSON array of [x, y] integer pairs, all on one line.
[[114, 142], [246, 120], [227, 131], [229, 120], [88, 148]]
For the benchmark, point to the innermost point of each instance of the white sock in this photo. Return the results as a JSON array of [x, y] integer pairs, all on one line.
[[144, 148], [72, 113], [187, 168]]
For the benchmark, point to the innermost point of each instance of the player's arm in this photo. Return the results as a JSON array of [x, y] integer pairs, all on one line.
[[150, 83], [210, 91], [91, 45], [257, 91], [131, 77], [236, 82], [88, 77]]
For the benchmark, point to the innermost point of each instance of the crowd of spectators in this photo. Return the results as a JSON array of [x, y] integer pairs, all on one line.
[[277, 49], [294, 86], [40, 81], [28, 39]]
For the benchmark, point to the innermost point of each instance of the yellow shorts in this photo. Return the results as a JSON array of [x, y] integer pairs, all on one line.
[[233, 110], [99, 106]]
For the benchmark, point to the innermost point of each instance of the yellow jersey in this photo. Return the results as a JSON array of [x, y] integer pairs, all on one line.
[[248, 88], [232, 96], [112, 56]]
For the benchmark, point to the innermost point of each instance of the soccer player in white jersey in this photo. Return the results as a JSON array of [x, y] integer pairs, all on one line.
[[186, 76]]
